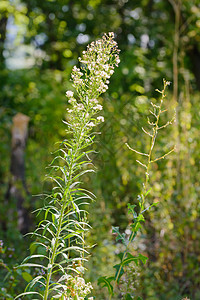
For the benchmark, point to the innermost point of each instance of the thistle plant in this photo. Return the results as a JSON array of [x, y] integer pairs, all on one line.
[[138, 210], [60, 235]]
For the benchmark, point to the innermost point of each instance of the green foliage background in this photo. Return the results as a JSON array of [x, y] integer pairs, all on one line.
[[48, 37]]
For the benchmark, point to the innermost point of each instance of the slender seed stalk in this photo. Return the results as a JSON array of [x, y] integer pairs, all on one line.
[[153, 139], [147, 166]]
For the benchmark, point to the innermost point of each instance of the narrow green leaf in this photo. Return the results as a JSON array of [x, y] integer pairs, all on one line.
[[35, 280], [132, 237], [148, 192], [83, 172], [106, 281], [58, 296], [34, 256], [74, 184], [154, 204], [46, 228], [39, 244], [119, 272], [75, 207], [46, 213], [31, 265], [28, 293], [127, 260], [143, 258]]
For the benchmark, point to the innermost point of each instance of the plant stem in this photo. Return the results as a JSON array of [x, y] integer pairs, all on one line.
[[153, 139], [144, 190], [62, 213], [54, 253]]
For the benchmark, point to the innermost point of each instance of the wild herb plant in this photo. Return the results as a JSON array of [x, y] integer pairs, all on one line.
[[137, 210], [60, 235]]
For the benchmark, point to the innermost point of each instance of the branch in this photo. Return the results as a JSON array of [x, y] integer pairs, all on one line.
[[157, 90], [153, 114], [164, 111], [162, 157], [139, 162], [154, 105], [136, 150], [168, 123], [151, 123], [147, 132]]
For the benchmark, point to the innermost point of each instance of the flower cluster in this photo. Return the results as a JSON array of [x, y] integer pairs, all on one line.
[[97, 65], [76, 288], [92, 79]]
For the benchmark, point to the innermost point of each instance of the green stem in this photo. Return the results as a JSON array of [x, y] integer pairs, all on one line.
[[153, 139], [54, 253], [62, 215], [57, 237]]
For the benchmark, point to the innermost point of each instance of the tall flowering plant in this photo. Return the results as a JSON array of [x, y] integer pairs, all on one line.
[[60, 235]]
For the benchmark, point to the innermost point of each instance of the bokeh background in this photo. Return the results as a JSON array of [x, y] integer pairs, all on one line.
[[40, 41]]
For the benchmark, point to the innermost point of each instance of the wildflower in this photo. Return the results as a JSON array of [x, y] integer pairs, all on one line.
[[91, 124], [71, 100], [80, 282], [111, 34], [97, 60], [69, 94], [94, 101], [98, 107], [80, 106], [100, 119]]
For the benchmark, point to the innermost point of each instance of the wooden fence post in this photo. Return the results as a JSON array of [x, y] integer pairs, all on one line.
[[17, 188]]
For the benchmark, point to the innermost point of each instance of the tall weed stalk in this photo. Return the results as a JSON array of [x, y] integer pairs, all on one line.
[[60, 236], [138, 210]]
